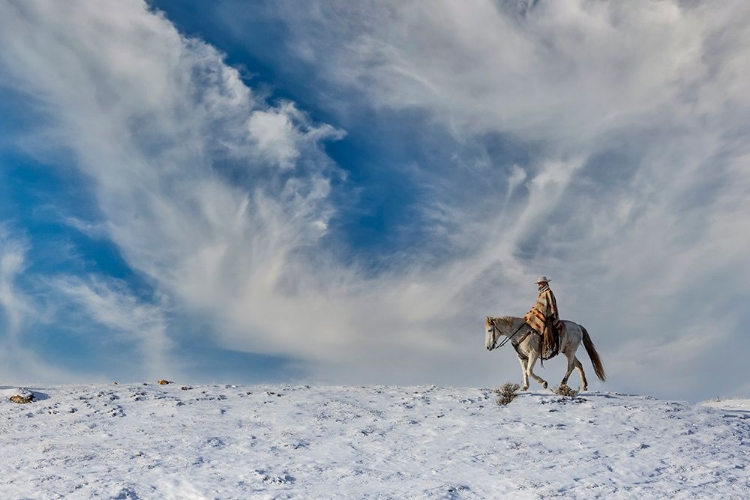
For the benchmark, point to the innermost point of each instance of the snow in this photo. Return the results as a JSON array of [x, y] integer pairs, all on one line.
[[218, 441]]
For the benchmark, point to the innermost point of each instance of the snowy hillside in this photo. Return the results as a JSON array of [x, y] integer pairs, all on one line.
[[172, 441]]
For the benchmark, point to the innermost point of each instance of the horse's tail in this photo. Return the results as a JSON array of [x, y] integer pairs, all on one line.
[[595, 360]]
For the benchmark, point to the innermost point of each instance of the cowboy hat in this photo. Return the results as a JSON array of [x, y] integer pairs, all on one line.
[[543, 279]]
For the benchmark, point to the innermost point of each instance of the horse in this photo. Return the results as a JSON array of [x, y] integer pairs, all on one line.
[[527, 343]]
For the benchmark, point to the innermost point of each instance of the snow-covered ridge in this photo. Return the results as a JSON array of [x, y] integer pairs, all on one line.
[[219, 441]]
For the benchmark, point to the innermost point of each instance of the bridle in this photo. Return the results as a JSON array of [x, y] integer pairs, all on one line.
[[506, 339]]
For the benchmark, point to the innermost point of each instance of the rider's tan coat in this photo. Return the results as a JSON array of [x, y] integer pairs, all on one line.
[[545, 308]]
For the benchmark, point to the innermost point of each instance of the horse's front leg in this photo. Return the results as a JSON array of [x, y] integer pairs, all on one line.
[[530, 370], [525, 375]]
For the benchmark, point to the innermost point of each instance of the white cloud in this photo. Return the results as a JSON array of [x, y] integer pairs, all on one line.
[[273, 133], [16, 307], [561, 71], [111, 305], [277, 135], [18, 313]]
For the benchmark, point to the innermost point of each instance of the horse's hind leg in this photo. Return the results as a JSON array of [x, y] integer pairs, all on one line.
[[571, 365], [530, 370], [579, 366]]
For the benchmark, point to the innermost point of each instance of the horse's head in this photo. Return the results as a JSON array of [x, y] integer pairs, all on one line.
[[491, 333]]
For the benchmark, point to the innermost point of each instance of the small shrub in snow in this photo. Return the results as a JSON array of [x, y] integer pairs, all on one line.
[[22, 399], [507, 393], [564, 390]]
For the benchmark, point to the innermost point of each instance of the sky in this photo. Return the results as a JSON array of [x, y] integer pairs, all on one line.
[[330, 192]]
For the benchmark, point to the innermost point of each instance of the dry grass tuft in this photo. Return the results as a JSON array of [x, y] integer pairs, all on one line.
[[564, 390], [22, 399], [507, 393], [164, 382]]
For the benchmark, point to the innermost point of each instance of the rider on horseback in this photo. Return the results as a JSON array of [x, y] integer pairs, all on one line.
[[545, 319]]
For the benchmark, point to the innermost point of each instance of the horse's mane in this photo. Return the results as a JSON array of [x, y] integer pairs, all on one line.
[[506, 320]]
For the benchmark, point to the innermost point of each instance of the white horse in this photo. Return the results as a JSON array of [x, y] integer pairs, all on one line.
[[527, 344]]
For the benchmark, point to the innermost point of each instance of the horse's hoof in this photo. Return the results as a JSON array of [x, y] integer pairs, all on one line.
[[544, 385], [525, 388]]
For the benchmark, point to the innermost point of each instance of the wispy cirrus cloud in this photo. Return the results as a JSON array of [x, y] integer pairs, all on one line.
[[15, 306], [20, 313], [216, 196], [126, 319]]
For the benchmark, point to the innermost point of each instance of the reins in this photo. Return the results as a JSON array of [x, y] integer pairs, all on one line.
[[509, 337]]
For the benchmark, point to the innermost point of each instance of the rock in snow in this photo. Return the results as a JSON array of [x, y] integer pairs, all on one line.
[[160, 441]]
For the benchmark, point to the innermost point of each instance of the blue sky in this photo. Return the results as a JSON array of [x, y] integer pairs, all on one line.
[[333, 192]]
